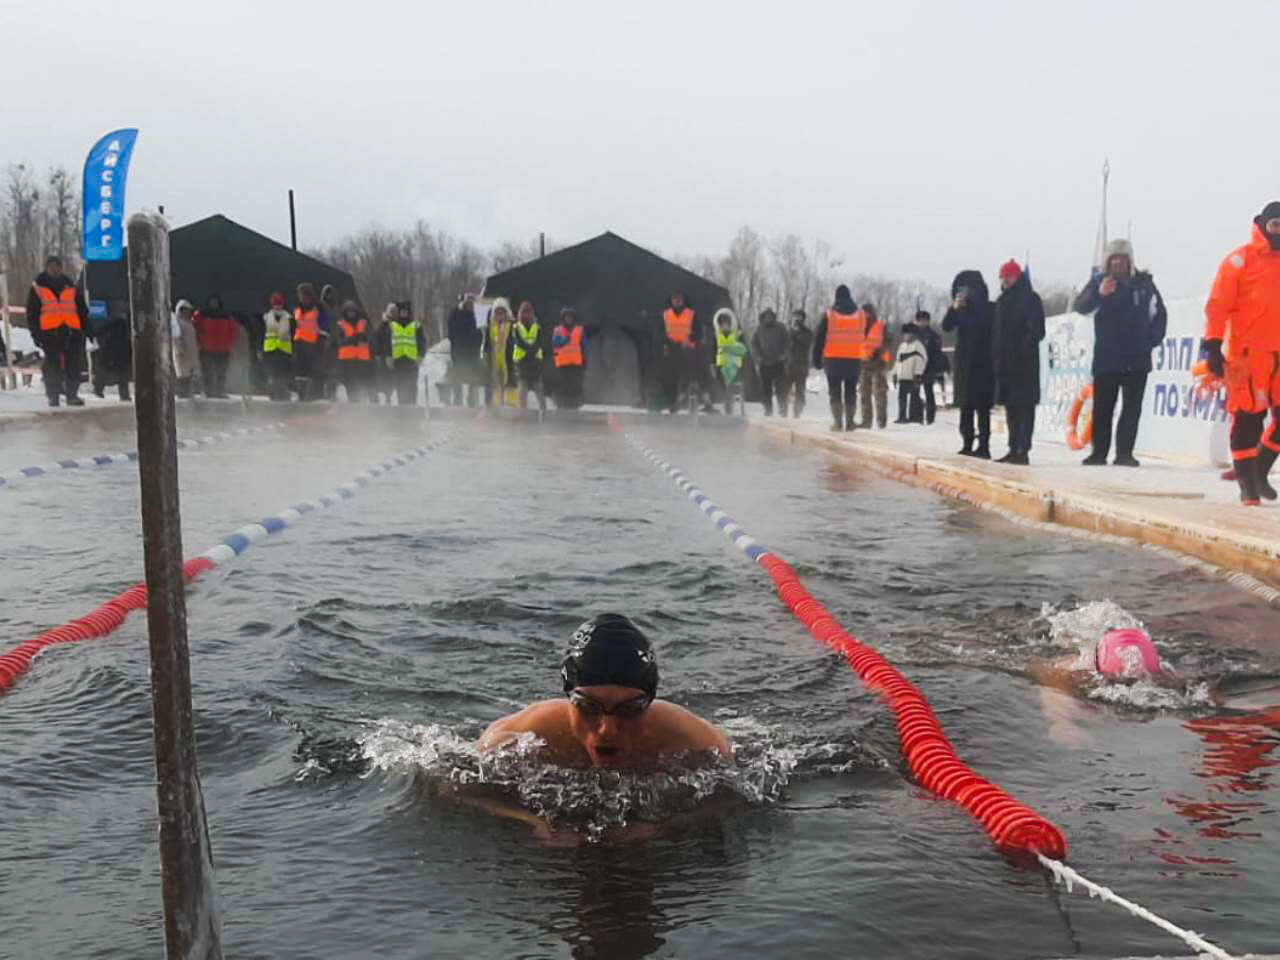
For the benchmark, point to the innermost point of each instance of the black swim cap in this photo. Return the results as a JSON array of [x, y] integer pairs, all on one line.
[[610, 649]]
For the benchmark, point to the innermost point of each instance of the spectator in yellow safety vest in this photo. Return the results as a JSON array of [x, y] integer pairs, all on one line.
[[498, 346], [277, 348], [569, 347], [56, 317], [403, 346], [526, 352]]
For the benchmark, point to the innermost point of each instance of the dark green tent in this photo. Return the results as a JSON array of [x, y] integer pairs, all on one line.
[[619, 291], [243, 267], [217, 255]]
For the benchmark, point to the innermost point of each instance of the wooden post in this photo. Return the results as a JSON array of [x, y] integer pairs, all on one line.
[[192, 928], [10, 380]]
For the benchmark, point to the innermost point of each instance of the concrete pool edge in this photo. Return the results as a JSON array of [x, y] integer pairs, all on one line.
[[1020, 493]]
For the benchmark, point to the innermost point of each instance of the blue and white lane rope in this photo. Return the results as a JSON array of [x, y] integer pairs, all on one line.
[[129, 456], [108, 617], [725, 523], [1059, 870], [240, 540]]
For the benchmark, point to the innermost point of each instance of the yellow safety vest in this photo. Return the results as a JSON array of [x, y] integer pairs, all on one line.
[[523, 334], [404, 340]]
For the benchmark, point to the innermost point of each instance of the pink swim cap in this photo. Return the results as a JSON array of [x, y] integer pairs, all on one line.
[[1126, 653]]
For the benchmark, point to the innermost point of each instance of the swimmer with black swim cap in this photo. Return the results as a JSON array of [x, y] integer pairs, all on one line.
[[610, 717]]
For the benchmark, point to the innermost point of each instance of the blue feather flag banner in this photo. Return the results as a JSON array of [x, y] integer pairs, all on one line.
[[105, 172]]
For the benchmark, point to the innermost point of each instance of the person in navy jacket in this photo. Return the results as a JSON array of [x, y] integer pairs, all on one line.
[[1129, 320]]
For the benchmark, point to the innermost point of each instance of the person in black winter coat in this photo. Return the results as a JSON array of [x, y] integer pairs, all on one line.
[[801, 345], [63, 343], [1129, 323], [770, 347], [465, 338], [971, 315], [115, 355], [936, 366], [1015, 354]]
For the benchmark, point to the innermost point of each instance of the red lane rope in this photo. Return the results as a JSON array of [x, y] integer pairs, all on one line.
[[932, 759], [104, 620], [1013, 827]]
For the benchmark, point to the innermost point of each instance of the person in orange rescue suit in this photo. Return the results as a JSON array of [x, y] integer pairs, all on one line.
[[354, 356], [56, 316], [1243, 312], [681, 336], [844, 339]]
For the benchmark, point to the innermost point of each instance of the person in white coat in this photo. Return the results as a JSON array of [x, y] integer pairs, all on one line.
[[913, 357], [186, 352]]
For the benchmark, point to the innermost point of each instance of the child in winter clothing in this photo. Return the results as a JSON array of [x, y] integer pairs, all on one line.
[[913, 357], [730, 353]]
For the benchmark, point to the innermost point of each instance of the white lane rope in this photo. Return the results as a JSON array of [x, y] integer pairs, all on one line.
[[1069, 878], [128, 456]]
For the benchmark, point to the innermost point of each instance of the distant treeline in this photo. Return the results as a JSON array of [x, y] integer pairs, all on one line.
[[430, 266]]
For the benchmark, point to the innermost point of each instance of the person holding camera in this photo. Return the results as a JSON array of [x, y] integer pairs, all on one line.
[[1129, 320]]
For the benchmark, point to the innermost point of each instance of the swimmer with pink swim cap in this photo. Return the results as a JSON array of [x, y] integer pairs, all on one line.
[[1126, 653]]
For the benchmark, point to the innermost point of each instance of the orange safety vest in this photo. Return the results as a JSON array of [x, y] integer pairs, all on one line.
[[353, 351], [58, 310], [308, 324], [679, 325], [570, 354], [846, 336]]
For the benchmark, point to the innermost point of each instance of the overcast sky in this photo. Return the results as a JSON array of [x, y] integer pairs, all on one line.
[[917, 138]]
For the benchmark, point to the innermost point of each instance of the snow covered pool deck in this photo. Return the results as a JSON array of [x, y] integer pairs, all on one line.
[[1184, 508]]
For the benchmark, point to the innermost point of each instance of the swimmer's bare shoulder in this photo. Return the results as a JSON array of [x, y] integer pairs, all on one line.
[[547, 720], [677, 730], [669, 729]]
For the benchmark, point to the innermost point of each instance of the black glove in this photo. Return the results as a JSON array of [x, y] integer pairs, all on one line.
[[1212, 351]]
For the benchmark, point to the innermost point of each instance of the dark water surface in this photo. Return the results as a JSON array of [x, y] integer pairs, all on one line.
[[339, 665]]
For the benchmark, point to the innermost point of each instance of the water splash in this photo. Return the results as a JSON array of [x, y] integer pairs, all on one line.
[[589, 801], [1084, 625], [1148, 695]]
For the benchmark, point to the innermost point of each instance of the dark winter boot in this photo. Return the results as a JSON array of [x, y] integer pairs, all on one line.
[[848, 420], [983, 451], [1247, 477], [1266, 460], [837, 415]]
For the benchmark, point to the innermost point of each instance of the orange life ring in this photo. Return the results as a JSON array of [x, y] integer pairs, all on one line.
[[1078, 441]]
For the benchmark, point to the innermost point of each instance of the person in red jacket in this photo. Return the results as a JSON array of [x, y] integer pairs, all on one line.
[[215, 335], [1244, 311]]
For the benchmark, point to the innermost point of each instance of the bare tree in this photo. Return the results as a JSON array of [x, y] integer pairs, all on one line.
[[429, 267], [62, 218], [35, 222], [794, 272]]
